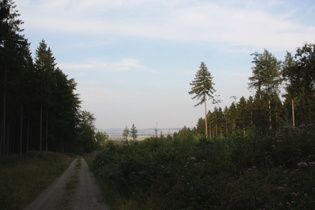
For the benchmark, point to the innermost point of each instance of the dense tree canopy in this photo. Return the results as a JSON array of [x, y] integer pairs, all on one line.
[[265, 112], [299, 74], [38, 107]]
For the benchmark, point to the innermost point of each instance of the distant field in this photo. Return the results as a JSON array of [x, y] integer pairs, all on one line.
[[116, 133]]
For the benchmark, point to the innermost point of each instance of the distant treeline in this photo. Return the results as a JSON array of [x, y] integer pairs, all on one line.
[[38, 107]]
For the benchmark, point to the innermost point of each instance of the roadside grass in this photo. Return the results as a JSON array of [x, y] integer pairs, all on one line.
[[250, 172], [23, 178]]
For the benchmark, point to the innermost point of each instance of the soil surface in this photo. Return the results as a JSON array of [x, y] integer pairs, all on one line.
[[87, 195]]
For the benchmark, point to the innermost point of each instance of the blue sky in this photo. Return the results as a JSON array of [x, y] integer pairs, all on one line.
[[133, 60]]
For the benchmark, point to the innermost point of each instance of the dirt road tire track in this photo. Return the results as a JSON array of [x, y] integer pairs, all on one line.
[[87, 195], [49, 198]]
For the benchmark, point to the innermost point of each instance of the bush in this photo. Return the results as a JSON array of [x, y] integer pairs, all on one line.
[[238, 173]]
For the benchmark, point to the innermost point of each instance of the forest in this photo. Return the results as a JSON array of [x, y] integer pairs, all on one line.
[[269, 110], [40, 110], [39, 107], [257, 153]]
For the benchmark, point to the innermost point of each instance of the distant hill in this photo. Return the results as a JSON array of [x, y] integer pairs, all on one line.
[[116, 133]]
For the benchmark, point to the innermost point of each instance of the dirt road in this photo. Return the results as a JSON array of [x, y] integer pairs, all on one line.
[[86, 196]]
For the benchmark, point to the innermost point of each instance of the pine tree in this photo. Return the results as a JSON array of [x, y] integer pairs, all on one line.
[[292, 82], [133, 132], [243, 114], [299, 73], [265, 79], [14, 60], [125, 134], [202, 89], [45, 67]]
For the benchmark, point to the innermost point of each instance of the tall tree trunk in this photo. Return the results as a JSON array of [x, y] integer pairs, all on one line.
[[3, 126], [46, 130], [206, 120], [210, 132], [28, 134], [270, 118], [40, 128], [21, 130], [8, 144], [293, 113]]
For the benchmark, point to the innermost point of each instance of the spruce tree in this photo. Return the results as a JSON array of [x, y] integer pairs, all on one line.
[[45, 67], [125, 134], [265, 79], [133, 132], [202, 89], [15, 59]]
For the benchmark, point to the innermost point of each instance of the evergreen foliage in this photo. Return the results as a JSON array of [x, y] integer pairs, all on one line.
[[298, 71], [265, 113], [38, 107], [125, 134], [133, 132], [202, 89]]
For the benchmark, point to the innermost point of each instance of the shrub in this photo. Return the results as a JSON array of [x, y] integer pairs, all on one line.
[[238, 173]]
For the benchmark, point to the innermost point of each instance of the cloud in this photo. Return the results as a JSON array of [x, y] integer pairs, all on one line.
[[123, 65], [176, 20]]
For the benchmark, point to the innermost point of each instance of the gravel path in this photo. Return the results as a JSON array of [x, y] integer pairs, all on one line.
[[86, 197]]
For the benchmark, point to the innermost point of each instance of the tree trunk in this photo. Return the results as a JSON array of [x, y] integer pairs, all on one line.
[[206, 120], [28, 134], [270, 118], [21, 130], [46, 130], [210, 132], [3, 127], [8, 144], [293, 114], [40, 128]]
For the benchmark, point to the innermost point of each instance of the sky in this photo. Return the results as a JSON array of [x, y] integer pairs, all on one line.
[[133, 60]]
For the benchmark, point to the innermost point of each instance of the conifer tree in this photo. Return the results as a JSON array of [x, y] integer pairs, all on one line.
[[15, 58], [292, 82], [202, 89], [125, 134], [45, 67], [133, 132], [266, 78], [299, 73]]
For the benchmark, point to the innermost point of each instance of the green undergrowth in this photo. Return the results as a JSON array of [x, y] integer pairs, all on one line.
[[24, 177], [251, 172]]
